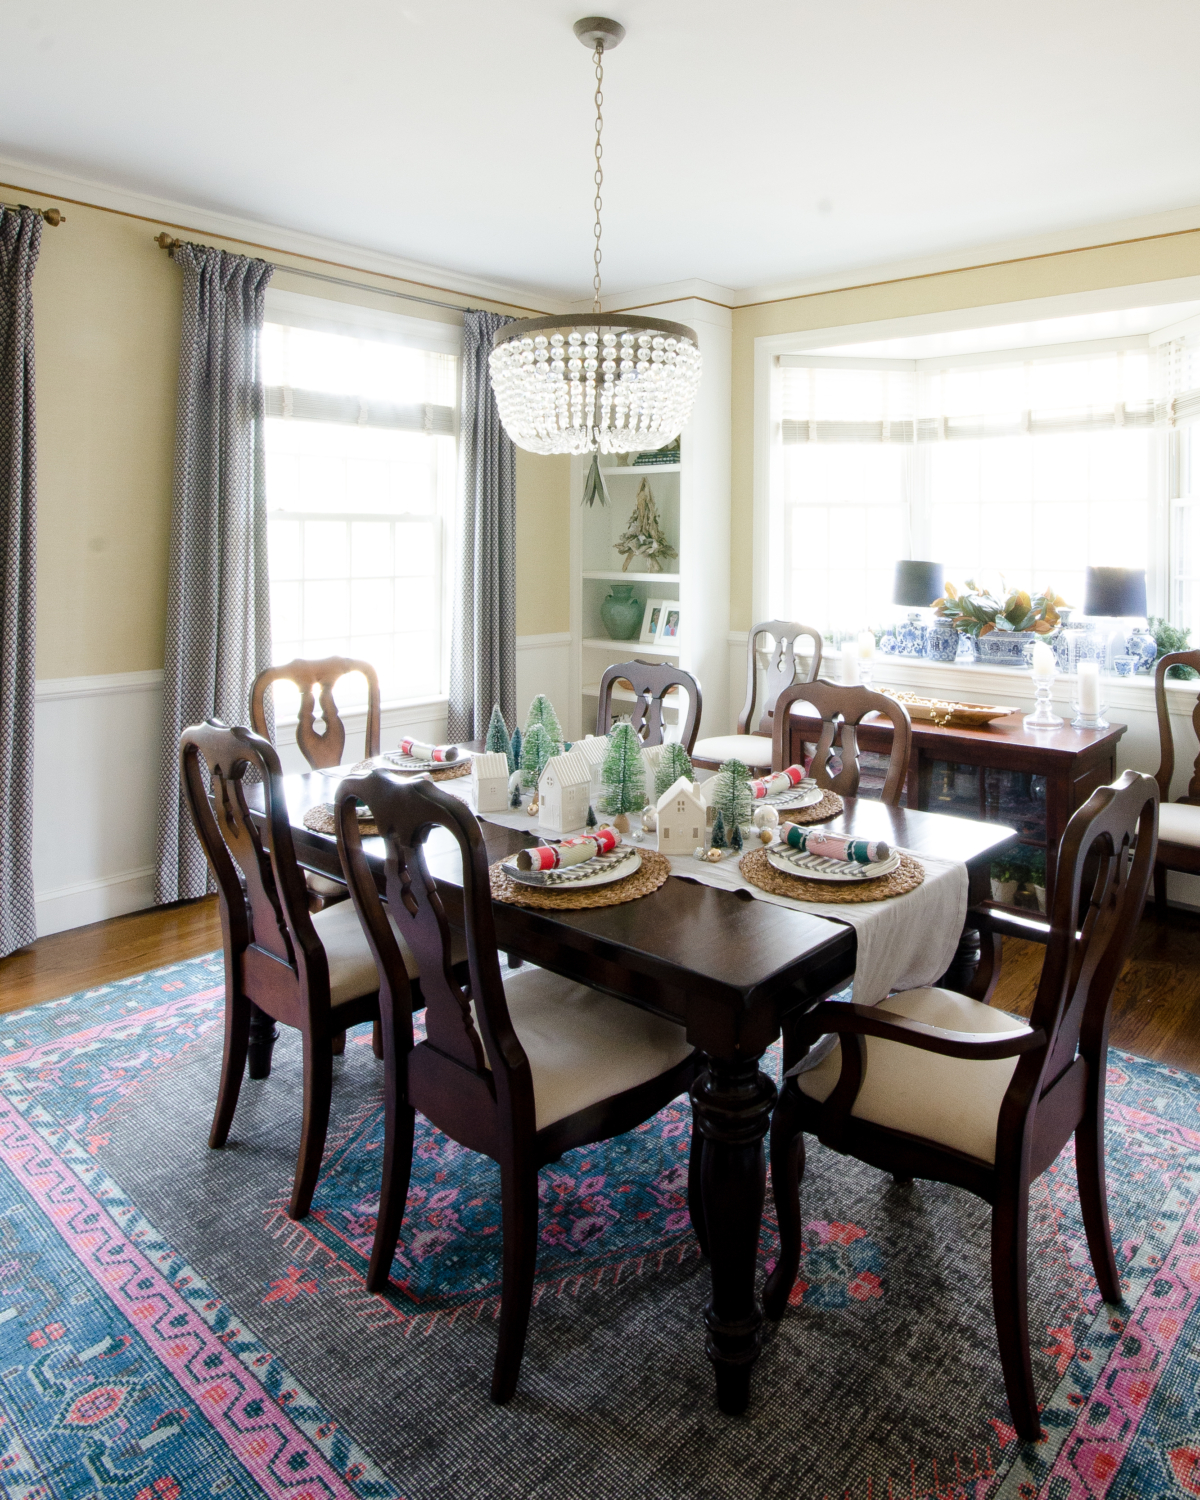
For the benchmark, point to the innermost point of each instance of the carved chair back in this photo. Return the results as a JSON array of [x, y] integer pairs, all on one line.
[[783, 668], [650, 681], [406, 813], [264, 913], [1166, 743], [841, 709], [315, 680]]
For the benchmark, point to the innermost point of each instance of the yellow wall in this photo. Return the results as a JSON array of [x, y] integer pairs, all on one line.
[[1129, 264], [107, 312]]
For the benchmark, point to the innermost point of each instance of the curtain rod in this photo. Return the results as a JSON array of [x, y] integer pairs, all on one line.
[[52, 216], [171, 245]]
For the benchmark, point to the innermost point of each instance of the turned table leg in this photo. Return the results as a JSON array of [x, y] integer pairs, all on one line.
[[263, 1037], [733, 1102]]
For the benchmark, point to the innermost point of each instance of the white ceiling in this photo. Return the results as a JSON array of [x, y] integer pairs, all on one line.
[[745, 145]]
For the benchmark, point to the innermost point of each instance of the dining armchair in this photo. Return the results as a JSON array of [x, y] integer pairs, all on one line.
[[313, 971], [650, 681], [315, 681], [933, 1084], [1178, 822], [784, 666], [520, 1070], [841, 709]]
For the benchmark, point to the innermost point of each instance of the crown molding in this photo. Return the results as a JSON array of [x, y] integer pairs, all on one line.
[[655, 296], [1059, 242], [169, 214]]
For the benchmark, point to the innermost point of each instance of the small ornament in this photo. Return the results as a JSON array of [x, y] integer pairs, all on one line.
[[767, 835], [532, 809], [649, 818], [698, 852], [636, 835], [715, 856], [766, 817], [590, 820]]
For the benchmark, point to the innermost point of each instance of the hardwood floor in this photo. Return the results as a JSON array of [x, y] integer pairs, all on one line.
[[1156, 1012], [87, 956]]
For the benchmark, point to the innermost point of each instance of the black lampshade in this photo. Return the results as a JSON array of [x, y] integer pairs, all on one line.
[[918, 584], [1117, 592]]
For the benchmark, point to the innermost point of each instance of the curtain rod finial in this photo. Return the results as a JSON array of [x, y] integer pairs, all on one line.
[[165, 242], [53, 217]]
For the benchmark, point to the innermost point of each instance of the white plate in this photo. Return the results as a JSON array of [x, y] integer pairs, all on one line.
[[392, 760], [604, 869], [807, 794], [838, 871]]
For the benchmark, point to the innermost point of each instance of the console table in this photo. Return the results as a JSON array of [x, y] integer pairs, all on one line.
[[1074, 762]]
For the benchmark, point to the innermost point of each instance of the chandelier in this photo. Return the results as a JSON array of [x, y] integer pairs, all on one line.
[[599, 382]]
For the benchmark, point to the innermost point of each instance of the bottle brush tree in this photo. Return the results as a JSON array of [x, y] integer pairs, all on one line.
[[535, 752], [719, 841], [735, 840], [496, 739], [623, 774], [730, 794], [541, 711], [675, 762], [514, 751]]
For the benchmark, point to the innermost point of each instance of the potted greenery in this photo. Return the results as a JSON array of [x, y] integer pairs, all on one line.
[[1037, 877], [1170, 638], [1001, 628], [1005, 880]]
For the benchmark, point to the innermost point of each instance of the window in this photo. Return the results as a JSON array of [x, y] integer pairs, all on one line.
[[1179, 414], [360, 479], [1023, 464]]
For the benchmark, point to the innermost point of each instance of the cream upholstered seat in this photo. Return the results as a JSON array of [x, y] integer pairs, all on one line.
[[1179, 823], [352, 969], [583, 1046], [952, 1101], [751, 749]]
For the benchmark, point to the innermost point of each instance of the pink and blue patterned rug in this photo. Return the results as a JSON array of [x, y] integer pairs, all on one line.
[[166, 1331]]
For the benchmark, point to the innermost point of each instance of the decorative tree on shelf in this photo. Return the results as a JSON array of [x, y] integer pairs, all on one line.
[[719, 841], [675, 762], [514, 751], [535, 752], [644, 537], [623, 774], [730, 794], [496, 740], [541, 711]]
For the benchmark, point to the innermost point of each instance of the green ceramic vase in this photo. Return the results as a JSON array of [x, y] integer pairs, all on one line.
[[621, 612]]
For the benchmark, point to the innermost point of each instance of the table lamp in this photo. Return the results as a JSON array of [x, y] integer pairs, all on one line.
[[1115, 594], [917, 585]]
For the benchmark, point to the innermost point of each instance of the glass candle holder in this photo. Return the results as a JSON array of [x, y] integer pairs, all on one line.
[[1089, 703], [1043, 716], [1088, 720]]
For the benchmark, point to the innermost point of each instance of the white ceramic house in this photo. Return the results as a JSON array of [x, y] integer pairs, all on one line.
[[489, 781], [564, 793], [593, 749], [682, 818]]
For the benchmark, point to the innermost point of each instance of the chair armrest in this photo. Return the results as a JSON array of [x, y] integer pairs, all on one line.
[[866, 1020]]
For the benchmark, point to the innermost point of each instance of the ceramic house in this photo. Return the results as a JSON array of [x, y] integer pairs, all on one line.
[[489, 781], [593, 749], [682, 816], [564, 793]]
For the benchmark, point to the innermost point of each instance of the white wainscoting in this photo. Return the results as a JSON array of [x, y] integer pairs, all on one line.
[[544, 666], [96, 770]]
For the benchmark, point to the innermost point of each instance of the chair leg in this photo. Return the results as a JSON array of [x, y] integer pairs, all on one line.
[[1093, 1201], [318, 1091], [393, 1193], [787, 1169], [377, 1038], [695, 1191], [1010, 1298], [233, 1067], [1160, 890], [337, 1045], [519, 1202]]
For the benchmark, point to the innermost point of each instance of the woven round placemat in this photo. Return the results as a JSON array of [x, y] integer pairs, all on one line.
[[653, 872], [320, 820], [444, 773], [828, 807], [760, 872]]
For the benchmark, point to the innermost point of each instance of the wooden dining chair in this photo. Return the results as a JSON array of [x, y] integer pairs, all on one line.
[[931, 1083], [784, 666], [841, 709], [1178, 822], [313, 971], [520, 1070], [316, 681], [650, 681]]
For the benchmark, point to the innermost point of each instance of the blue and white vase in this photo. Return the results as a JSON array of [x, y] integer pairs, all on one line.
[[965, 654], [1141, 644], [911, 636], [1008, 648], [889, 645], [941, 641]]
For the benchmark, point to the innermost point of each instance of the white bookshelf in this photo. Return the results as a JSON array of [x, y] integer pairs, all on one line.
[[692, 498]]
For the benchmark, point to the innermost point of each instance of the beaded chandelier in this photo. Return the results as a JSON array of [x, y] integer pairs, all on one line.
[[604, 382]]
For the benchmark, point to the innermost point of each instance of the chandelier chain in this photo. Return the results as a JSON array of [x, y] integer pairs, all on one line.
[[598, 57]]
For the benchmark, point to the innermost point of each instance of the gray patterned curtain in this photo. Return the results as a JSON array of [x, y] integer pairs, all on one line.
[[20, 240], [483, 656], [218, 597]]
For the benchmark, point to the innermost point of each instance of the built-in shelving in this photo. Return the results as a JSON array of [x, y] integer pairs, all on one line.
[[628, 649], [640, 468], [619, 577]]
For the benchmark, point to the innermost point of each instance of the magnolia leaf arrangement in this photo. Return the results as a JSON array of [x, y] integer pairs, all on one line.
[[977, 612]]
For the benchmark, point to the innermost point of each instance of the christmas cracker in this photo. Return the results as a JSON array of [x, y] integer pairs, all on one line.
[[834, 846], [418, 750], [778, 781], [569, 852]]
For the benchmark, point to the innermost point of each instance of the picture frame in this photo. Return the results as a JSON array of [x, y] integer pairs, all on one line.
[[668, 629], [652, 620]]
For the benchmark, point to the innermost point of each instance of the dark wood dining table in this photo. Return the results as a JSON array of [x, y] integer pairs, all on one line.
[[726, 966]]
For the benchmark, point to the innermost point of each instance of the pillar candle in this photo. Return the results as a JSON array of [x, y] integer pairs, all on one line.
[[1043, 662], [850, 661], [866, 645], [1089, 688]]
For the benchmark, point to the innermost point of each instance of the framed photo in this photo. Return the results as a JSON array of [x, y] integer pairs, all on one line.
[[652, 620], [668, 630]]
